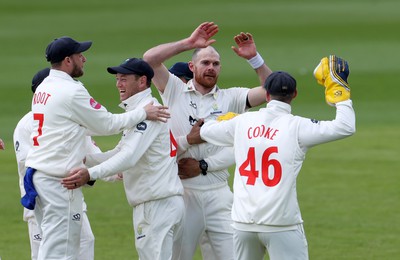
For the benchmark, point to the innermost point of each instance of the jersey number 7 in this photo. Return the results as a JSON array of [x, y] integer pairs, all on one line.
[[248, 167], [40, 118]]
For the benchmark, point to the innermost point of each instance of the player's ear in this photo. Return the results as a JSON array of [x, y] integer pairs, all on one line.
[[268, 97], [144, 82], [294, 94], [191, 65]]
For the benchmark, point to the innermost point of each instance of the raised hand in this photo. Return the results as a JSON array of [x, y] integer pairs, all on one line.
[[246, 48], [201, 36], [332, 73]]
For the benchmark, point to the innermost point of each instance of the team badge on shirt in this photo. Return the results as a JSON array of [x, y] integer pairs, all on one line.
[[94, 104], [141, 126], [216, 109]]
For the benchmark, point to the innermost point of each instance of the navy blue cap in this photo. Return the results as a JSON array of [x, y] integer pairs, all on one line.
[[181, 69], [280, 83], [39, 77], [63, 47], [133, 66]]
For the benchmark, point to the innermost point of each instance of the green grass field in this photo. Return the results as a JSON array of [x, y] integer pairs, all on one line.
[[348, 190]]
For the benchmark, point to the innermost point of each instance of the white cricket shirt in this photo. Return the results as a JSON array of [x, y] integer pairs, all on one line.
[[22, 144], [144, 157], [186, 106], [270, 147], [62, 110]]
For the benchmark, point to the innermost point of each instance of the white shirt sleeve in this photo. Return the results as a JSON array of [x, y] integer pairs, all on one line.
[[312, 132], [99, 121], [93, 159], [22, 144], [98, 157], [219, 133], [132, 147], [183, 144], [221, 160]]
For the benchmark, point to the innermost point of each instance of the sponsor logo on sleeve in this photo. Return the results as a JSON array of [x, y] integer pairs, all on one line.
[[141, 126], [94, 104]]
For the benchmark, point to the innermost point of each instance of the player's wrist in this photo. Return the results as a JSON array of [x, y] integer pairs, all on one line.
[[203, 165], [189, 140], [256, 62]]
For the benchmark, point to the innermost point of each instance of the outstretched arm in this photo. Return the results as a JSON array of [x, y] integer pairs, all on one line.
[[200, 38]]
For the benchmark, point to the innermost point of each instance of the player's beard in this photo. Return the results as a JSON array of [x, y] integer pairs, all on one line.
[[77, 71], [206, 81]]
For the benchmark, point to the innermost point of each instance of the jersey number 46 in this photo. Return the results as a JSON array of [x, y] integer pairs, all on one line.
[[248, 167]]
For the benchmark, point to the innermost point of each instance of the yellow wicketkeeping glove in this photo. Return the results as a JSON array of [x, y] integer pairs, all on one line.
[[332, 73], [226, 116]]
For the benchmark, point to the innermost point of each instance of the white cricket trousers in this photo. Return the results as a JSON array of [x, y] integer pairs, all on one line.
[[86, 249], [58, 212], [158, 227], [283, 245], [208, 212]]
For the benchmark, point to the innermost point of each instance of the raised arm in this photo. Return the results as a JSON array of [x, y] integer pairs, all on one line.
[[246, 48], [156, 56]]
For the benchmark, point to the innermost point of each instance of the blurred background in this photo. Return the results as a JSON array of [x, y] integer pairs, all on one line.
[[348, 190]]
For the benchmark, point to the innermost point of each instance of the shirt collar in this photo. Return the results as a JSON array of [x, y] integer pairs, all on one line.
[[134, 101], [62, 74], [191, 88], [279, 106]]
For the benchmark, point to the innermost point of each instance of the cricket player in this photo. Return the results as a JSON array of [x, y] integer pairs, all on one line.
[[208, 197], [182, 71], [63, 111], [149, 167], [270, 147], [22, 144]]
